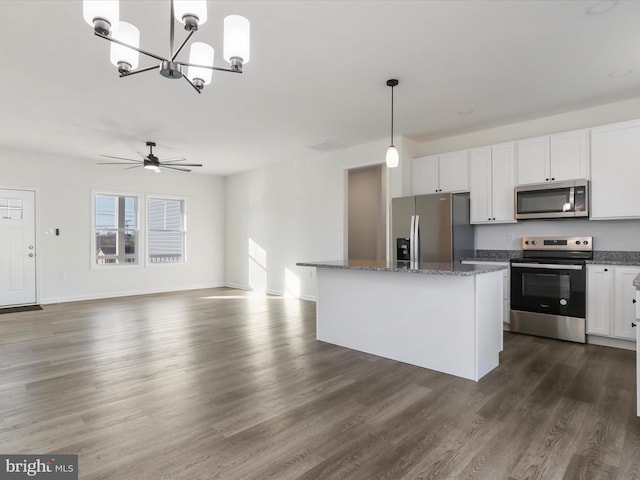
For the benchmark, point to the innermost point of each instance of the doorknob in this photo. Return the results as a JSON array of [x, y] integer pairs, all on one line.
[[30, 247], [31, 254]]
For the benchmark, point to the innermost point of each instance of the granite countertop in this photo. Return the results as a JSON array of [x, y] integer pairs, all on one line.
[[406, 267], [601, 257]]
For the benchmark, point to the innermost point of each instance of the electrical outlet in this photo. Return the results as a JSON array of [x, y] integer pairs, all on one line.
[[510, 237]]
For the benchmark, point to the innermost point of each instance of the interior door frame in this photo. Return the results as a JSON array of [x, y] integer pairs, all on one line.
[[36, 237]]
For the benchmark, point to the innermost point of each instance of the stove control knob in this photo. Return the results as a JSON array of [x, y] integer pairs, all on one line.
[[526, 242], [577, 242], [533, 242], [586, 242]]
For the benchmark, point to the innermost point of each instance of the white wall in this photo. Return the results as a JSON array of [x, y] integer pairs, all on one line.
[[292, 212], [63, 200], [608, 235]]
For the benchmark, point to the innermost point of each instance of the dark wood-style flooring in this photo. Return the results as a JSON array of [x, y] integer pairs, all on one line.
[[222, 384]]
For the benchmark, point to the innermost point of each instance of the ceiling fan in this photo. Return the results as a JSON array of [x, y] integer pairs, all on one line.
[[151, 162]]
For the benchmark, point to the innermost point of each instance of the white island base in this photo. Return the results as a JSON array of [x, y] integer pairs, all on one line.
[[449, 323]]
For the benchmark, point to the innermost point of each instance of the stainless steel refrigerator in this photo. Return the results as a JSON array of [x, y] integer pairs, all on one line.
[[432, 228]]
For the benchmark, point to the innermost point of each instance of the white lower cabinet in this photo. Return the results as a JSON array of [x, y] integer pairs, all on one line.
[[610, 301], [638, 349], [506, 285]]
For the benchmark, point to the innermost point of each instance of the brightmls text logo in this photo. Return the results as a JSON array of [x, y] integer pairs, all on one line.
[[49, 467]]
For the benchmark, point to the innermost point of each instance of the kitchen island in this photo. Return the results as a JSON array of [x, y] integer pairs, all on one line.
[[445, 317]]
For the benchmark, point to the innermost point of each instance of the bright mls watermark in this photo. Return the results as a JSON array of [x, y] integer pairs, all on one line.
[[49, 467]]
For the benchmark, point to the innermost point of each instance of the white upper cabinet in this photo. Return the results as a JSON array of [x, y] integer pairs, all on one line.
[[503, 182], [424, 175], [533, 161], [491, 184], [569, 155], [440, 173], [564, 156], [615, 171]]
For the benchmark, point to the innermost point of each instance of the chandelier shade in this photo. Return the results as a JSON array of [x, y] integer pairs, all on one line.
[[236, 39], [201, 54], [185, 11], [125, 58], [102, 15]]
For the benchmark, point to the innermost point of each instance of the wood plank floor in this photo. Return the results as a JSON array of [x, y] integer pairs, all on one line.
[[223, 384]]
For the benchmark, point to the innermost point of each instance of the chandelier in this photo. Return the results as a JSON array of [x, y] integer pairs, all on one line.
[[103, 16]]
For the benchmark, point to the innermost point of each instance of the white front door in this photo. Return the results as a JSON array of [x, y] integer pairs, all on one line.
[[17, 247]]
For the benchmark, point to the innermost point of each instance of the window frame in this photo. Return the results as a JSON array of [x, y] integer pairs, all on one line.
[[184, 231], [139, 231]]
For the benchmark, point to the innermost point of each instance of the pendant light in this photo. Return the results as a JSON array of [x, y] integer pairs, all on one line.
[[392, 151]]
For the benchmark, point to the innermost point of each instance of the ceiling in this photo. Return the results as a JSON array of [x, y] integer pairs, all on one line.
[[317, 73]]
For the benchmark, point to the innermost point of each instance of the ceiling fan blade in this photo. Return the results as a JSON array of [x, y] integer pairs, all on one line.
[[135, 166], [121, 158], [117, 163], [143, 155], [183, 164], [173, 160], [175, 168]]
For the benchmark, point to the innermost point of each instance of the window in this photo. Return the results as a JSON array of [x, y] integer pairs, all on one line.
[[116, 229], [11, 208], [166, 230]]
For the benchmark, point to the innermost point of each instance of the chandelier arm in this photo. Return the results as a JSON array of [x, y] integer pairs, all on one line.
[[210, 67], [139, 70], [190, 83], [175, 54], [144, 52]]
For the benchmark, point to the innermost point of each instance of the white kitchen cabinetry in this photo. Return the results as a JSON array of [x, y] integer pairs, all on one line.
[[533, 160], [448, 172], [491, 179], [610, 301], [637, 327], [569, 157], [599, 299], [564, 156], [615, 170], [625, 297], [506, 285]]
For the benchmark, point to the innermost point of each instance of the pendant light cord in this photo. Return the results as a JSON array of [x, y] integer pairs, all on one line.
[[392, 115]]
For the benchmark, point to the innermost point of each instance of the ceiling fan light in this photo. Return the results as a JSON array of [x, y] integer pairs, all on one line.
[[191, 13], [155, 168], [237, 37], [392, 156], [102, 15], [201, 54], [120, 54]]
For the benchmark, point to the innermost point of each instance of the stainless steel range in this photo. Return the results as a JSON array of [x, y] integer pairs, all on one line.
[[548, 287]]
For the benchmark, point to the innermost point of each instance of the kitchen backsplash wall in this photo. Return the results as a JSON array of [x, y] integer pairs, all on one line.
[[607, 234]]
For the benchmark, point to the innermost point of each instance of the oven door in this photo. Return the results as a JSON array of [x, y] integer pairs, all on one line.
[[551, 288]]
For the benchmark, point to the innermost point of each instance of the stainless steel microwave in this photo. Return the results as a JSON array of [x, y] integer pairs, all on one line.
[[568, 199]]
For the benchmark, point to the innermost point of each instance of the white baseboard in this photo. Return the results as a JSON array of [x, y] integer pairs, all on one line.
[[128, 293], [611, 342]]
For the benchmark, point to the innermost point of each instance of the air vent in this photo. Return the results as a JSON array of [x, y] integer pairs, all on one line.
[[327, 146]]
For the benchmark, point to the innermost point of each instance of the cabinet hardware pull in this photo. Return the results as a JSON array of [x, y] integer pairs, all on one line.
[[634, 300], [633, 324], [606, 269]]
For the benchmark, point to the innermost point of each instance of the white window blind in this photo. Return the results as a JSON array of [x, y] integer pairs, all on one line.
[[166, 230]]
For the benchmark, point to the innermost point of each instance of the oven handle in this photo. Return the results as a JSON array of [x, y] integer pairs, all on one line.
[[550, 266]]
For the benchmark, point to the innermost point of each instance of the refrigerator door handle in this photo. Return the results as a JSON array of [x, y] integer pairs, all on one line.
[[412, 244], [416, 236]]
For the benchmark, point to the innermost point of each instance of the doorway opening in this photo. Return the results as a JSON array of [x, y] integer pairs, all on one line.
[[367, 213]]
